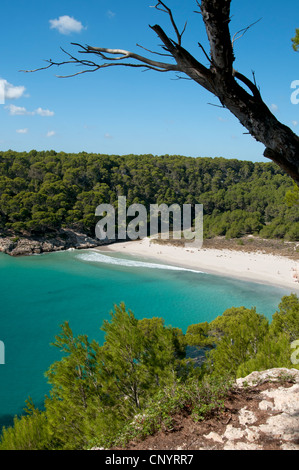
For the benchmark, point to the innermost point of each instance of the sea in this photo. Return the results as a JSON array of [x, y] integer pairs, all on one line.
[[40, 292]]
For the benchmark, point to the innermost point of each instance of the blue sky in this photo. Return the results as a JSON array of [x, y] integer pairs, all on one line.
[[121, 110]]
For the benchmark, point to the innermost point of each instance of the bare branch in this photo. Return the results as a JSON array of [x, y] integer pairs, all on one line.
[[153, 52], [252, 86], [178, 77], [184, 29], [202, 48], [243, 31], [254, 80], [41, 68], [185, 61], [167, 10], [113, 56], [77, 73], [217, 105], [124, 54]]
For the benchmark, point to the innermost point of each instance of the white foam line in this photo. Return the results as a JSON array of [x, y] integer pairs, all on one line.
[[100, 258]]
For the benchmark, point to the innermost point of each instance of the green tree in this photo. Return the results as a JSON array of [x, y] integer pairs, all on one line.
[[75, 384], [292, 196], [29, 432], [286, 319], [239, 332], [274, 351], [199, 335], [137, 357], [295, 40]]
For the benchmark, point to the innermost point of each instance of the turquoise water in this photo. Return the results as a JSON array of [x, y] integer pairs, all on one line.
[[39, 293]]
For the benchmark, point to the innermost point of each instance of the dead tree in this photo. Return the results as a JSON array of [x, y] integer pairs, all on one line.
[[236, 92]]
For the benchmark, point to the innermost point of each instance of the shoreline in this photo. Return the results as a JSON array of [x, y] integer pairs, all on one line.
[[62, 240], [278, 271], [230, 261]]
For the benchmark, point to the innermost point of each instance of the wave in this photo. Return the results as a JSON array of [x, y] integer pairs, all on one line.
[[93, 257]]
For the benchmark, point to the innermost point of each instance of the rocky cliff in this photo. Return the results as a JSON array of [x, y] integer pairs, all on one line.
[[61, 240]]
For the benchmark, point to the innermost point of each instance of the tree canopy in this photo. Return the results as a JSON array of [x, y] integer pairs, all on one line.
[[42, 192], [295, 40]]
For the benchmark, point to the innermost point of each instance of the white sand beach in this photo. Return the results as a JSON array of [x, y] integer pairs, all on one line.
[[255, 267]]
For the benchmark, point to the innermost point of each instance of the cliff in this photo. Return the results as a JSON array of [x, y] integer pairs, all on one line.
[[63, 239]]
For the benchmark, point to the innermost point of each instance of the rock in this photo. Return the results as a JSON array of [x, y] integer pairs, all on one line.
[[284, 399], [258, 378], [241, 446], [266, 405], [214, 436], [282, 426], [63, 239], [231, 433], [281, 410], [247, 417]]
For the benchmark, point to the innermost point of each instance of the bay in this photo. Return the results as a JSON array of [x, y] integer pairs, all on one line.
[[39, 293]]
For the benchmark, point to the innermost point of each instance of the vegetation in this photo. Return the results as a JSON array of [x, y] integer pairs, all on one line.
[[134, 384], [295, 40], [41, 192]]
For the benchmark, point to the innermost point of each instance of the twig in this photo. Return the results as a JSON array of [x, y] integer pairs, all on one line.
[[243, 31], [217, 105], [113, 56], [167, 10], [153, 52], [202, 48]]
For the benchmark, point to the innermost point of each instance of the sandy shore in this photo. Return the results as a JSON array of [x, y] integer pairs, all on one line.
[[255, 267]]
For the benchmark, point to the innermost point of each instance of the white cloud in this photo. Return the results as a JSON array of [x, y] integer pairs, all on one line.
[[50, 133], [21, 111], [66, 25], [11, 92], [22, 131], [274, 107], [44, 112], [110, 14], [16, 110], [221, 119], [108, 136], [295, 123]]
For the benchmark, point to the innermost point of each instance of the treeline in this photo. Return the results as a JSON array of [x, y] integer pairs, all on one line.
[[44, 191], [141, 377]]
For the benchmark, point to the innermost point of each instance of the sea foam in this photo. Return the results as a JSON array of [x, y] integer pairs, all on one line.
[[96, 257]]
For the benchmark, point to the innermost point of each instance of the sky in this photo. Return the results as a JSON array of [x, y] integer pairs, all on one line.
[[121, 110]]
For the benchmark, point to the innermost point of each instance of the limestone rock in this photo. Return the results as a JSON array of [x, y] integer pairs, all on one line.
[[63, 239]]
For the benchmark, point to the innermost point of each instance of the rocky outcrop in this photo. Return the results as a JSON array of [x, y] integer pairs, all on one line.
[[273, 417], [62, 240], [260, 413]]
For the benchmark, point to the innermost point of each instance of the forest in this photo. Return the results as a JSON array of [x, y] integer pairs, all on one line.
[[43, 191], [143, 375]]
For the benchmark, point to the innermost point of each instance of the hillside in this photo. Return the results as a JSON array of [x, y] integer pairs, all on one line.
[[259, 413], [44, 192]]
